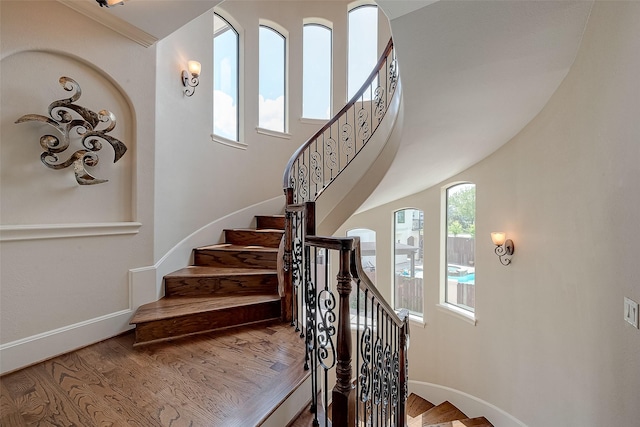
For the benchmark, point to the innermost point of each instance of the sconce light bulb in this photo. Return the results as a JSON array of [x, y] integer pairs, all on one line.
[[498, 238], [194, 68]]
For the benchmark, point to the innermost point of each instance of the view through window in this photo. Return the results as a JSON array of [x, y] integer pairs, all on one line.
[[225, 79], [363, 47], [316, 86], [460, 246], [272, 79], [408, 260]]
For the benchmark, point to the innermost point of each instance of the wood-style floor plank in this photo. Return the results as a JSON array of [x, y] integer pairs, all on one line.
[[232, 377]]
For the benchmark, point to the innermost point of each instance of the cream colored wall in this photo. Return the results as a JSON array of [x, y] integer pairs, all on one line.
[[550, 346], [66, 249], [199, 180]]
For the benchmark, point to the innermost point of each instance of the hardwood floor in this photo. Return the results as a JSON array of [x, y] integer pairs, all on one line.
[[226, 378]]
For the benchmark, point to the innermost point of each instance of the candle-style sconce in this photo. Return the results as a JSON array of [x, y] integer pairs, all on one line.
[[191, 78], [504, 247], [71, 119]]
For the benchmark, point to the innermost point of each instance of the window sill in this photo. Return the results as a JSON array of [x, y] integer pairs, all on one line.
[[417, 321], [273, 133], [229, 142], [465, 315]]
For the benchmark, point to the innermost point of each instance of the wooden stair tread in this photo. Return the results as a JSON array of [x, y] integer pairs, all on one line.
[[206, 271], [467, 422], [167, 308], [416, 405], [232, 247], [442, 413]]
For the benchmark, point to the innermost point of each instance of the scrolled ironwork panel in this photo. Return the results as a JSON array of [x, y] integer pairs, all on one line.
[[379, 102], [363, 125], [316, 166], [365, 368], [326, 329]]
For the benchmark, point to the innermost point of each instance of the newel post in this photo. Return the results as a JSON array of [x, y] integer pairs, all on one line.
[[343, 405]]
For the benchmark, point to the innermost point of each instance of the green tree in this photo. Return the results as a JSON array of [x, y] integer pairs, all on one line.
[[455, 228], [461, 208]]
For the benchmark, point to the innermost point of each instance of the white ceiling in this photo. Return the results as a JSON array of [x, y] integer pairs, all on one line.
[[144, 21], [473, 73]]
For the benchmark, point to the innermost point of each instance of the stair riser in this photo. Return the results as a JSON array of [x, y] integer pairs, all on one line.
[[244, 259], [272, 222], [229, 285], [270, 239], [205, 322]]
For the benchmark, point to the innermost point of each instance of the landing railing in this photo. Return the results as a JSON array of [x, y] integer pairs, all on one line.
[[330, 314], [319, 161]]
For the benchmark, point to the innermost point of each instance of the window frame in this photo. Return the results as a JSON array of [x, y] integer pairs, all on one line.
[[235, 27], [278, 30], [354, 8], [317, 22], [408, 225], [445, 306]]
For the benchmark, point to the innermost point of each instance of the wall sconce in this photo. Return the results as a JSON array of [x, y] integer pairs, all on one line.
[[109, 3], [504, 246], [190, 78]]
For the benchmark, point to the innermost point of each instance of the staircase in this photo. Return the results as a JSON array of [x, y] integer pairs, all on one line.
[[422, 413], [230, 284]]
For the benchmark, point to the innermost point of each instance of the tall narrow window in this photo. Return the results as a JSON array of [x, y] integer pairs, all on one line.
[[460, 246], [225, 79], [272, 79], [363, 46], [408, 260], [316, 84]]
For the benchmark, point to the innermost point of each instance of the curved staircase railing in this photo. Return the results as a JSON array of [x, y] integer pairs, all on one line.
[[326, 313]]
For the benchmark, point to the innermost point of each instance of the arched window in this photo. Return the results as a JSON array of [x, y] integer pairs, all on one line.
[[316, 71], [363, 46], [408, 258], [272, 80], [460, 272], [226, 111]]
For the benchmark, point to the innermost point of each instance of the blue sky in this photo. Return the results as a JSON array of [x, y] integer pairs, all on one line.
[[317, 66]]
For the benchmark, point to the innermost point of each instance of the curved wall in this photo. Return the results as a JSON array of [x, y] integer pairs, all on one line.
[[550, 346]]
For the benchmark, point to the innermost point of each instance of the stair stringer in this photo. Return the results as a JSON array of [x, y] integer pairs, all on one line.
[[352, 187], [470, 405]]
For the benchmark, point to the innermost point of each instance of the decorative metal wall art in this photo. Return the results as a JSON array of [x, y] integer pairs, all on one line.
[[65, 118]]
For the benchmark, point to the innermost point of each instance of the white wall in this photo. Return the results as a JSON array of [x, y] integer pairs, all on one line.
[[66, 249], [550, 346]]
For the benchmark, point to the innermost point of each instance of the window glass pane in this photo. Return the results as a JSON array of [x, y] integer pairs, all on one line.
[[408, 260], [316, 96], [363, 46], [225, 79], [461, 239], [271, 80]]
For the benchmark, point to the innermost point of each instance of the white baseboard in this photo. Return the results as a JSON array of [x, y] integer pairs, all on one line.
[[470, 405], [27, 351]]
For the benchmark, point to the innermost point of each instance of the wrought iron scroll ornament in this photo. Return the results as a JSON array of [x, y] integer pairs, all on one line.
[[63, 119]]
